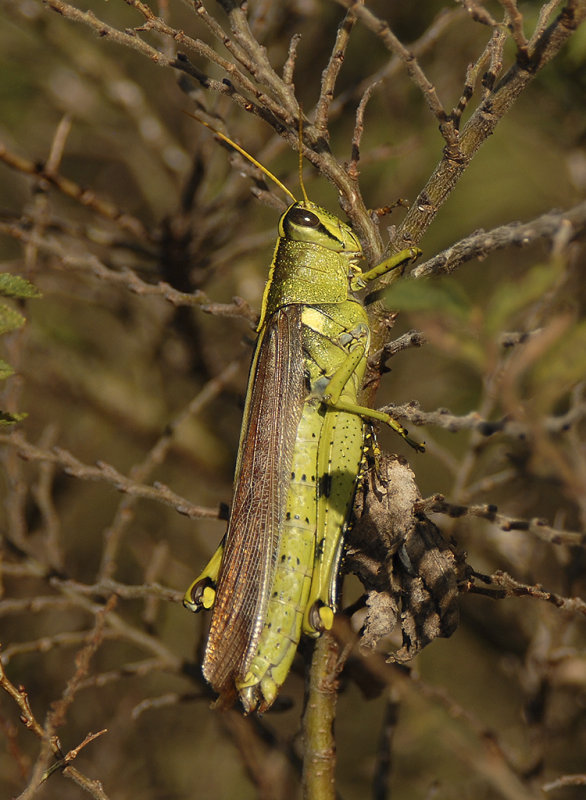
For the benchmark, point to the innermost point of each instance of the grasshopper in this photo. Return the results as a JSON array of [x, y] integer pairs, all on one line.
[[274, 575]]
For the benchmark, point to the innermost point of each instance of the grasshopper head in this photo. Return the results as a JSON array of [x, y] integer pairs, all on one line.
[[305, 221], [314, 260]]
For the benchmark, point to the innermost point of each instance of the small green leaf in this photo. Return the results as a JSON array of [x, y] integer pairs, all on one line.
[[10, 319], [15, 286], [5, 370], [6, 418]]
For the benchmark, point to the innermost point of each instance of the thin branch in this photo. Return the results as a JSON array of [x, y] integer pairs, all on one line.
[[331, 72], [510, 339], [116, 628], [410, 339], [20, 697], [162, 701], [509, 587], [92, 787], [158, 560], [492, 54], [84, 197], [515, 24], [478, 12], [58, 714], [520, 234], [129, 279], [259, 65], [563, 781], [445, 18], [319, 745], [414, 69], [545, 13], [42, 491], [489, 737], [49, 745], [107, 473], [45, 644], [119, 628], [137, 669], [130, 38], [289, 65], [537, 527], [216, 30], [40, 204], [484, 121], [125, 591], [74, 752], [442, 418], [33, 605], [359, 130]]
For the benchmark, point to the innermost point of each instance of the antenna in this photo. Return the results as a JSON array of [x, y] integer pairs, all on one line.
[[305, 197], [246, 155]]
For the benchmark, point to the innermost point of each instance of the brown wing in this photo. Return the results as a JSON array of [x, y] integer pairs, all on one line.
[[276, 392]]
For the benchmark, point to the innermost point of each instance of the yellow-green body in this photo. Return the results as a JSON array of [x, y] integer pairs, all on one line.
[[274, 576]]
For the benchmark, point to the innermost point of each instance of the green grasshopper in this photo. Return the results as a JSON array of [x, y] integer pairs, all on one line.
[[301, 445]]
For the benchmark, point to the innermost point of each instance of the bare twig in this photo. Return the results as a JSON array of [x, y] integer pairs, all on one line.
[[479, 13], [84, 197], [46, 644], [42, 492], [483, 122], [519, 234], [537, 527], [125, 591], [50, 744], [33, 605], [509, 587], [446, 18], [543, 18], [359, 130], [259, 66], [20, 697], [442, 418], [390, 349], [128, 278], [130, 38], [515, 24], [92, 787], [40, 204], [331, 72], [563, 781], [320, 751], [107, 473], [289, 65], [58, 713], [493, 55], [76, 750], [414, 69]]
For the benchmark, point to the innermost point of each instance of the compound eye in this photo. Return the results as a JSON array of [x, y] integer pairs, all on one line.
[[303, 217]]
